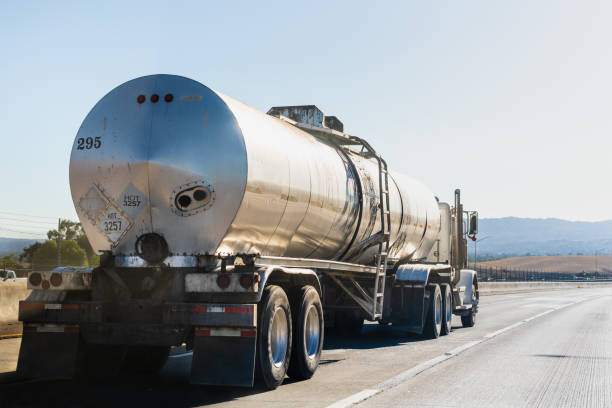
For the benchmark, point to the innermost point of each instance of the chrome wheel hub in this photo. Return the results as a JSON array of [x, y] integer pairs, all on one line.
[[312, 332], [279, 337]]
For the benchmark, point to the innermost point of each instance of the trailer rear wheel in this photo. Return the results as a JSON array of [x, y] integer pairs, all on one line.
[[274, 337], [145, 359], [433, 325], [447, 308], [308, 331]]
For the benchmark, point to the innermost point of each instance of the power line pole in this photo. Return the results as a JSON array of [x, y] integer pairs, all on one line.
[[59, 242]]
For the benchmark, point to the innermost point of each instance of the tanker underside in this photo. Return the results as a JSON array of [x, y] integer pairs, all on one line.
[[239, 314], [113, 318]]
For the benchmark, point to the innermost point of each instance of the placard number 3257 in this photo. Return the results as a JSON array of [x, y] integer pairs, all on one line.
[[89, 143]]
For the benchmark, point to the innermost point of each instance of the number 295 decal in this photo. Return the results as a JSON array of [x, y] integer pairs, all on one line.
[[87, 143]]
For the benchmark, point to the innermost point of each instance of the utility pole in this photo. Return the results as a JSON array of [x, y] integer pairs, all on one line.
[[59, 243], [476, 248]]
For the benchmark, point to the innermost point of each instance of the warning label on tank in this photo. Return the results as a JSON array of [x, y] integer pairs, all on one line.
[[132, 201], [113, 224], [93, 203]]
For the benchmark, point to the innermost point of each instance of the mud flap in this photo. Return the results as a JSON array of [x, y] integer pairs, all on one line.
[[48, 352], [224, 356], [411, 317]]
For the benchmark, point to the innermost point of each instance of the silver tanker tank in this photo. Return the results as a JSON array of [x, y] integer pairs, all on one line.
[[166, 155]]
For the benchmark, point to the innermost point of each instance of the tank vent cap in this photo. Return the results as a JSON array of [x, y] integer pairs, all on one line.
[[152, 247]]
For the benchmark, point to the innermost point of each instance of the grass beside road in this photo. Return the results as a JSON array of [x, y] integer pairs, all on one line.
[[10, 330], [561, 263]]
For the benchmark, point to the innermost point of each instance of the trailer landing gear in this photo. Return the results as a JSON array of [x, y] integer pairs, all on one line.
[[349, 323]]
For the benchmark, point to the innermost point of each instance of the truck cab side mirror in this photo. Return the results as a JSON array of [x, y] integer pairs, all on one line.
[[473, 220]]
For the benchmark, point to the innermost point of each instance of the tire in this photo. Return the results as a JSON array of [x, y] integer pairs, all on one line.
[[469, 319], [308, 331], [433, 324], [447, 308], [273, 352], [145, 359]]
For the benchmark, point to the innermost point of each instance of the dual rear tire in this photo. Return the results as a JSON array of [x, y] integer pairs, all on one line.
[[440, 311], [433, 324], [290, 337]]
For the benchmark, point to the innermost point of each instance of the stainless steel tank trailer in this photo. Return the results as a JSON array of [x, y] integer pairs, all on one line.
[[242, 235]]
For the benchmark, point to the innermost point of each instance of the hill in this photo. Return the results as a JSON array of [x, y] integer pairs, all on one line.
[[511, 236], [568, 264], [15, 245]]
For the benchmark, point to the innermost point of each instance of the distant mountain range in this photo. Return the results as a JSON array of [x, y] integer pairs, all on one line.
[[498, 238], [15, 245], [511, 236]]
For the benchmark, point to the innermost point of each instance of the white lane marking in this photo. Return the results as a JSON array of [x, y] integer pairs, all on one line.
[[354, 399], [538, 315], [461, 349], [190, 353], [505, 329], [532, 305], [405, 375], [393, 381]]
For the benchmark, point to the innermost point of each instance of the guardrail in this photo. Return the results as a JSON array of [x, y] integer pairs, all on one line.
[[493, 274]]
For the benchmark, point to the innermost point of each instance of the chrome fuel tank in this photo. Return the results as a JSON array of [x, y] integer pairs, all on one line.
[[166, 155]]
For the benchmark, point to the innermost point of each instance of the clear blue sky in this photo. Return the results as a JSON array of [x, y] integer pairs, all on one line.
[[509, 100]]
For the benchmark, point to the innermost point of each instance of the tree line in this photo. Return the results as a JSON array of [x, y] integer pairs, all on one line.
[[75, 250]]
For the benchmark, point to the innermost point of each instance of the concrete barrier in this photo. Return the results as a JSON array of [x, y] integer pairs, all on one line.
[[10, 295], [12, 292], [498, 288]]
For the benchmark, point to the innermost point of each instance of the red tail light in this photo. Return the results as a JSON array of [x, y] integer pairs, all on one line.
[[223, 281], [35, 279], [56, 279], [246, 281]]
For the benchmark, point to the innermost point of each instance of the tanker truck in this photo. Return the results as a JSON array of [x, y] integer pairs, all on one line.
[[241, 236]]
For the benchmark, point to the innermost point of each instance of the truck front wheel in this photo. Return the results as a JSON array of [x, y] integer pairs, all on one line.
[[469, 319], [274, 337], [307, 334]]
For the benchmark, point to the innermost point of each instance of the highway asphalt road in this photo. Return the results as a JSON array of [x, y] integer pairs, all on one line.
[[547, 349]]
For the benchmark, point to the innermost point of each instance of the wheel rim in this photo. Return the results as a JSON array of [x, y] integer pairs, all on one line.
[[438, 311], [279, 336], [312, 332]]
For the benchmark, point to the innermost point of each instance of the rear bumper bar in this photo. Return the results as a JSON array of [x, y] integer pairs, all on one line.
[[173, 314]]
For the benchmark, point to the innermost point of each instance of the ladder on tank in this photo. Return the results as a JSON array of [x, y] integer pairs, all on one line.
[[383, 237], [371, 304]]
